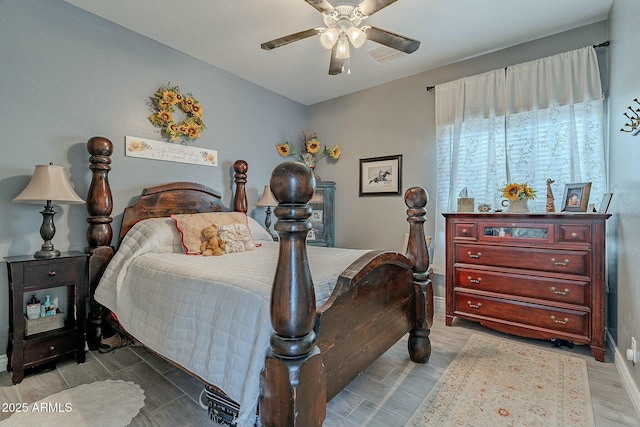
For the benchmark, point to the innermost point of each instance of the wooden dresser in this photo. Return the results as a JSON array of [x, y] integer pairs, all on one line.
[[533, 275]]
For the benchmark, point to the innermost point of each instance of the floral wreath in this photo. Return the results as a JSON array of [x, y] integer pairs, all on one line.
[[163, 104]]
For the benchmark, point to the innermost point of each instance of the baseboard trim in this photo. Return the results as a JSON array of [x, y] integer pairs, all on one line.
[[4, 360], [627, 380], [439, 304]]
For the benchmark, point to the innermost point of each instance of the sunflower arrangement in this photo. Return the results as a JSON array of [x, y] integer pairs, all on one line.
[[516, 191], [164, 103], [312, 151]]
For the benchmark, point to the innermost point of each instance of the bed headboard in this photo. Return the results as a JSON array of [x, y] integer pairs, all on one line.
[[154, 202], [173, 198]]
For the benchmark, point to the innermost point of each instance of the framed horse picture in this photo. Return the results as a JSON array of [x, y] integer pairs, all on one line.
[[381, 176]]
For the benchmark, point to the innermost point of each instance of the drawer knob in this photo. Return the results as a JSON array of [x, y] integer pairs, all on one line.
[[474, 255], [51, 273], [556, 262], [557, 292], [562, 322], [475, 281], [476, 306], [464, 231], [574, 235], [51, 348]]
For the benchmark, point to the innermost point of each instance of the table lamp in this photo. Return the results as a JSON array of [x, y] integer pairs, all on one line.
[[267, 200], [48, 184]]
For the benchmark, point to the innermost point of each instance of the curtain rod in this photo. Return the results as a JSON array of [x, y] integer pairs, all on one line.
[[603, 44]]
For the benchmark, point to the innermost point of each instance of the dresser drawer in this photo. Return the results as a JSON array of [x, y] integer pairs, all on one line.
[[574, 233], [466, 231], [554, 261], [52, 274], [523, 285], [565, 321]]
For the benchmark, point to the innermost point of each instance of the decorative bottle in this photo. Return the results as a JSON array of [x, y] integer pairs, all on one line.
[[46, 307]]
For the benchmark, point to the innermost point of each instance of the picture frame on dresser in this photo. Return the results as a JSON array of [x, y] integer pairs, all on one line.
[[381, 176], [576, 197], [604, 204]]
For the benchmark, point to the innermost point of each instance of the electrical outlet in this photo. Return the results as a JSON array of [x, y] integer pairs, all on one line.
[[634, 349]]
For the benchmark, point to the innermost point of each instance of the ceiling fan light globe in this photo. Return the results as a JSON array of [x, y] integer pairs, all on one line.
[[356, 36], [343, 51], [329, 37]]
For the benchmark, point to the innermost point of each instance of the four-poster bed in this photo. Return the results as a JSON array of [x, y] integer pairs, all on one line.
[[318, 343]]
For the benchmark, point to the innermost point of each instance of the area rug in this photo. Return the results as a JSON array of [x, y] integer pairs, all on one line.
[[495, 382], [104, 403]]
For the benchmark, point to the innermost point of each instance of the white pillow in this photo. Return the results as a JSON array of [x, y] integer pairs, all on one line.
[[258, 232]]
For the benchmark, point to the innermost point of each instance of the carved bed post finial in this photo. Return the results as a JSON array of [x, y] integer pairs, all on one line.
[[293, 384], [416, 199], [99, 233], [240, 168]]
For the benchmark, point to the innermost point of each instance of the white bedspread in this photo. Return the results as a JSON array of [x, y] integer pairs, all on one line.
[[208, 314]]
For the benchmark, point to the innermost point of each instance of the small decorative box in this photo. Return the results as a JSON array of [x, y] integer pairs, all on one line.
[[44, 324], [466, 204]]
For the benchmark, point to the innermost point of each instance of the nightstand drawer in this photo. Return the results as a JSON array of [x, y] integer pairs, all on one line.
[[37, 350], [51, 274]]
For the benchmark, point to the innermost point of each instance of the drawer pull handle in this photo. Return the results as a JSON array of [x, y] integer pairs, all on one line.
[[51, 273], [557, 292], [475, 281], [474, 256], [556, 262], [574, 235], [51, 348], [478, 305], [562, 322]]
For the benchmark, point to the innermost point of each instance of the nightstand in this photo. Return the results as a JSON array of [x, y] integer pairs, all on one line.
[[28, 275]]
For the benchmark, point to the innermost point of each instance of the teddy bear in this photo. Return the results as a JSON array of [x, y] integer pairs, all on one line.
[[212, 244]]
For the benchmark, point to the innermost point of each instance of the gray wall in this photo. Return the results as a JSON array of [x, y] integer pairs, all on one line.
[[624, 234], [66, 75], [399, 118]]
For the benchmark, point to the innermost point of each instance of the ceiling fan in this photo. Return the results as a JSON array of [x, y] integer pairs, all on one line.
[[342, 27]]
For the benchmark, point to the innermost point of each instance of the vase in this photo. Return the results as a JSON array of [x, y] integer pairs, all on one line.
[[518, 206], [313, 170]]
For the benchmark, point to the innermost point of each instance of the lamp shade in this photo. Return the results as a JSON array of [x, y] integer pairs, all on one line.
[[49, 182], [267, 198]]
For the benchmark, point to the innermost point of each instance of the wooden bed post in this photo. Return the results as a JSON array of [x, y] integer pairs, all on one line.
[[240, 168], [416, 199], [99, 233], [293, 383]]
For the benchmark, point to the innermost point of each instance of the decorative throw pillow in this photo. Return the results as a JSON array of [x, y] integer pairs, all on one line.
[[236, 237], [190, 226]]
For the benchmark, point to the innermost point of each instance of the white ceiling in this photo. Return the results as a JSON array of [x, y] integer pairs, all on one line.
[[228, 34]]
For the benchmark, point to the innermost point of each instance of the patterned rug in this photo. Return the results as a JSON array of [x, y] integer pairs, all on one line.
[[495, 382], [105, 403]]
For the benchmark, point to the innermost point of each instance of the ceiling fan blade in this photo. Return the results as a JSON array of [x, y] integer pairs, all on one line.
[[369, 7], [322, 6], [395, 41], [289, 39], [335, 65]]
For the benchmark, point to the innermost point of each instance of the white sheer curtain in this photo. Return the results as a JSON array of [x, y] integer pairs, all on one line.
[[537, 120]]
